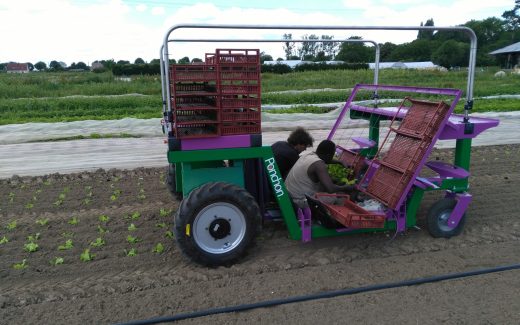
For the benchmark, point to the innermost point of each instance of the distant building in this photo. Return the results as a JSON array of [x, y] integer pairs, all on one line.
[[405, 65], [513, 54], [382, 65], [291, 63], [17, 68]]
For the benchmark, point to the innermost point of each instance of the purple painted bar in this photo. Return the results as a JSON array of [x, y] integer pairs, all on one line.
[[422, 90], [304, 216], [383, 111], [223, 142], [447, 170], [364, 142], [463, 200], [343, 112], [454, 129]]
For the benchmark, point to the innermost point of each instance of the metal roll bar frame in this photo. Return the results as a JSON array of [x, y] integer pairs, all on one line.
[[471, 65]]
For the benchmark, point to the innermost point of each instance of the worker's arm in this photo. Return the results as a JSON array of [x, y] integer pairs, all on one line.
[[318, 172]]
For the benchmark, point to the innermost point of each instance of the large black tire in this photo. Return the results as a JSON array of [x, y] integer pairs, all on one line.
[[437, 219], [216, 223], [171, 183]]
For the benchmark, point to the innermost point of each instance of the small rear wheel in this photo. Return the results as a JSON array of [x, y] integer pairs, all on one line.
[[216, 223], [437, 219]]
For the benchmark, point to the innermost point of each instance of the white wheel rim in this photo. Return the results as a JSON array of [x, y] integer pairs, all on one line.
[[211, 215]]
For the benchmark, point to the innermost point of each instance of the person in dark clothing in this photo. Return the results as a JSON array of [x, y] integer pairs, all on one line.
[[286, 153]]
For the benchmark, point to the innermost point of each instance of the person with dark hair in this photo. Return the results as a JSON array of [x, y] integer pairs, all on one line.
[[286, 153], [310, 175]]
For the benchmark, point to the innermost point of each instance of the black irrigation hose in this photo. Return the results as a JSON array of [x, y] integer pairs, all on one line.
[[322, 295]]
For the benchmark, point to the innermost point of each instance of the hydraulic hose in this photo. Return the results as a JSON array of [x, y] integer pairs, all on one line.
[[321, 295]]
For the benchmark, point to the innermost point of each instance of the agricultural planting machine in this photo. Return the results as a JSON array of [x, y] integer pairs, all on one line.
[[226, 179]]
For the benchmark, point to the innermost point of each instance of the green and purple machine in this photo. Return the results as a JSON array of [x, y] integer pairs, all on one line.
[[227, 179]]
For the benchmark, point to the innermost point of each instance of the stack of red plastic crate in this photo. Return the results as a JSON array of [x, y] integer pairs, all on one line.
[[218, 97]]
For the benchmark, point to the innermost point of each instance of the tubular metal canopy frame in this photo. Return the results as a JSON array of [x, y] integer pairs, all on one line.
[[165, 77], [466, 30]]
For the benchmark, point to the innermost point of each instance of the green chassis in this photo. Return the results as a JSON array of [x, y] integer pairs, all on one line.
[[194, 168]]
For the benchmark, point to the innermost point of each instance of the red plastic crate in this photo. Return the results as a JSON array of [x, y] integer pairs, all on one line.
[[350, 214], [195, 116], [423, 118], [240, 102], [238, 56], [196, 130], [405, 153], [236, 128], [193, 72], [244, 115], [242, 89], [239, 73], [388, 184], [203, 102], [185, 88]]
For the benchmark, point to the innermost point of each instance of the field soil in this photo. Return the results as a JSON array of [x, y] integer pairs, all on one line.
[[131, 212]]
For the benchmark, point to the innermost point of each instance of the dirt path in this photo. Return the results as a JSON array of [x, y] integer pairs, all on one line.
[[115, 287]]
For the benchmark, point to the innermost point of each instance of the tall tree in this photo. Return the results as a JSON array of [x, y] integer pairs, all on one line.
[[55, 65], [512, 17], [288, 46], [139, 61], [329, 47], [426, 34], [354, 52], [40, 66], [451, 54], [81, 65]]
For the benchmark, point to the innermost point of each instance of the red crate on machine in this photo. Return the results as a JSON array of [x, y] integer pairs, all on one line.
[[235, 57], [240, 100], [388, 184], [240, 115], [423, 117], [193, 72], [195, 101], [236, 128], [348, 213], [194, 88], [412, 140], [240, 87]]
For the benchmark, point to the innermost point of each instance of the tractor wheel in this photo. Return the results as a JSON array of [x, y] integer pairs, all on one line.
[[216, 223], [437, 219], [171, 183]]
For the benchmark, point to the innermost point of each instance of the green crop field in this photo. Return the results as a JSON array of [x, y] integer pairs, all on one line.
[[69, 96]]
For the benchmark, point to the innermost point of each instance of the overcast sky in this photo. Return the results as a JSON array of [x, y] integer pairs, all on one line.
[[89, 30]]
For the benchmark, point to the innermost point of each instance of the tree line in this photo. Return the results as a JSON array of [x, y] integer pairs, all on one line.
[[445, 48]]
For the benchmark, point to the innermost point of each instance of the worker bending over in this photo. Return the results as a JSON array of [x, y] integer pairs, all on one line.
[[310, 175]]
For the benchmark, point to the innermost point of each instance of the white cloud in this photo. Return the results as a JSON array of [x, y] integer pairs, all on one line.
[[141, 7], [64, 30], [61, 31], [158, 11]]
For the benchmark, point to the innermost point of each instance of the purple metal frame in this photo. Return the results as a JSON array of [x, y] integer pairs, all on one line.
[[399, 213], [222, 142], [463, 201]]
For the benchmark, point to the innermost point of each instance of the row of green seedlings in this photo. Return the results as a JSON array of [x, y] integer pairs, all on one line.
[[29, 205], [114, 196], [32, 246]]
